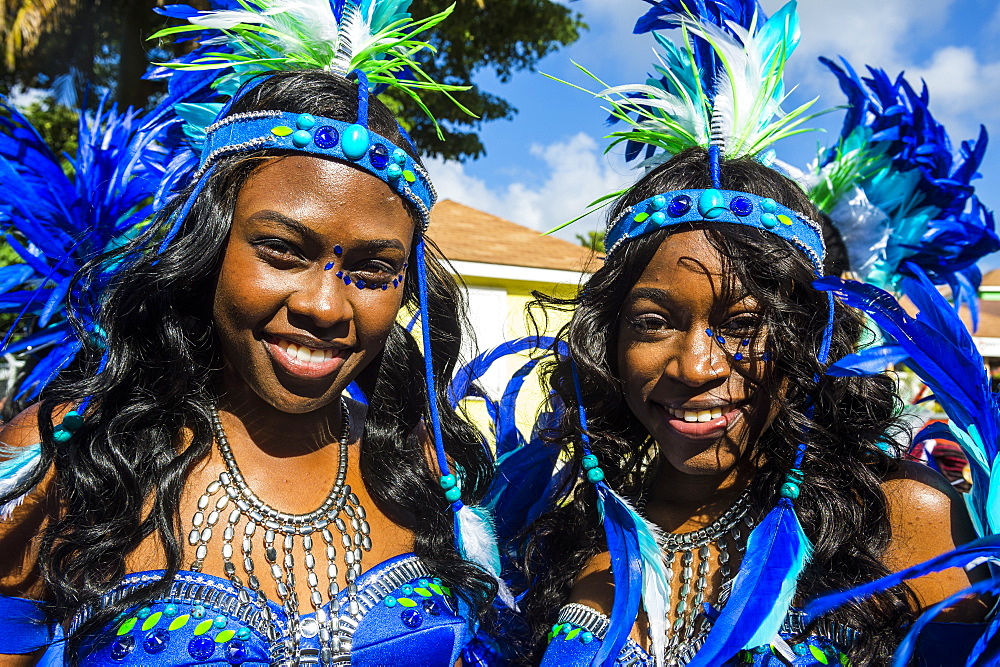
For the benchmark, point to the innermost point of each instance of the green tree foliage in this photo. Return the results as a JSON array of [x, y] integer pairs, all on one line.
[[101, 43], [593, 240]]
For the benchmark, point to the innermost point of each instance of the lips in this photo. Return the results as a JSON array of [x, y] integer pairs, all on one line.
[[304, 361], [710, 422]]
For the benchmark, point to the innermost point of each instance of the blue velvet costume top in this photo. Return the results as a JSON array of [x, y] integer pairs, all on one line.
[[406, 615]]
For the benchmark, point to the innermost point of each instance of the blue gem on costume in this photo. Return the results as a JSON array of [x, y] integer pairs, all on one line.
[[399, 157], [243, 633], [73, 420], [411, 618], [769, 205], [589, 461], [658, 203], [658, 218], [121, 647], [595, 475], [144, 613], [305, 121], [355, 141], [407, 589], [170, 610], [236, 653], [156, 641], [431, 607], [326, 137], [394, 171], [711, 204], [389, 601], [679, 206], [769, 220], [220, 622], [61, 434], [379, 156], [448, 482], [198, 611], [453, 495], [587, 637], [201, 648], [741, 206], [301, 138]]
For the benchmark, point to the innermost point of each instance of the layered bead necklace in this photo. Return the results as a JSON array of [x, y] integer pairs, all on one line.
[[281, 531], [687, 632]]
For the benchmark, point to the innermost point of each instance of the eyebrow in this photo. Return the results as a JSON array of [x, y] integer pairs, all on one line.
[[657, 296], [268, 215]]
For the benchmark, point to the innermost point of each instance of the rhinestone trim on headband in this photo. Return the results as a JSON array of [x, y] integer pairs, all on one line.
[[712, 205], [305, 133]]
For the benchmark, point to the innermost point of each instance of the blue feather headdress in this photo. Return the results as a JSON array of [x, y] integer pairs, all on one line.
[[720, 87], [897, 191]]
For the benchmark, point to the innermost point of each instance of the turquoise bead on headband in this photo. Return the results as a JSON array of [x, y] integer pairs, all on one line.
[[724, 206], [305, 133]]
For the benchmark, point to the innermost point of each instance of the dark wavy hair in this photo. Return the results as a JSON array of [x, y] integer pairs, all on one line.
[[850, 437], [160, 377]]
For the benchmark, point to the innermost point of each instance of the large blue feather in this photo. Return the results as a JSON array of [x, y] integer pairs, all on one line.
[[626, 567]]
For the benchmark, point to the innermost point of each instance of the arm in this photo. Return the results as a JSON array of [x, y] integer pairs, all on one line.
[[928, 518]]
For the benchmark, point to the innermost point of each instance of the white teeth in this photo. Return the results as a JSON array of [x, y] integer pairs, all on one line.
[[695, 416], [306, 354], [317, 356], [292, 350]]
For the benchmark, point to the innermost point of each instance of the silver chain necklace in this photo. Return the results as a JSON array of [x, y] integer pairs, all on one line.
[[687, 633], [258, 516]]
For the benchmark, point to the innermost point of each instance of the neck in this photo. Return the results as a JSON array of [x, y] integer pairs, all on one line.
[[680, 501], [277, 433]]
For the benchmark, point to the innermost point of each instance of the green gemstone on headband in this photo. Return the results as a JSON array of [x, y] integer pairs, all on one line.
[[281, 130], [224, 636], [769, 220], [409, 176], [712, 204], [785, 220], [769, 205], [641, 217], [127, 626], [305, 121], [152, 620], [301, 138], [407, 602], [355, 141], [179, 622]]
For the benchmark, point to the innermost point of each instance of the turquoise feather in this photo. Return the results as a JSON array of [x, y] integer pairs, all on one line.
[[14, 472]]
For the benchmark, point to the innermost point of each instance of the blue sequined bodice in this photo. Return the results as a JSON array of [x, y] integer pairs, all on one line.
[[404, 611]]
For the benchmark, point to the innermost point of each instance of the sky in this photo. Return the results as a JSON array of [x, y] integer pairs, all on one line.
[[544, 166]]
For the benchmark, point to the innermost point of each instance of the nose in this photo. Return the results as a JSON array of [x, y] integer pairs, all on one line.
[[320, 303], [698, 360]]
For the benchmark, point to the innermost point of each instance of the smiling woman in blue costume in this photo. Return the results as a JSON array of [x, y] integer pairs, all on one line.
[[203, 494], [734, 480]]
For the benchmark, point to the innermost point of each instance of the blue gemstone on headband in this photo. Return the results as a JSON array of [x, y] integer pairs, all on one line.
[[326, 137], [305, 121], [741, 206], [658, 203], [679, 206], [411, 618], [355, 141], [769, 205], [301, 138], [711, 204], [201, 648], [379, 156], [394, 171], [399, 156], [658, 218], [769, 220], [156, 641], [122, 647]]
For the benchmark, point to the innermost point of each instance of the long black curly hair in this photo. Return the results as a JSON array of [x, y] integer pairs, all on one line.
[[850, 436], [161, 377]]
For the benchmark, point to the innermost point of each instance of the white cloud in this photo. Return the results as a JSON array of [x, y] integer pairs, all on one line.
[[963, 90], [576, 171]]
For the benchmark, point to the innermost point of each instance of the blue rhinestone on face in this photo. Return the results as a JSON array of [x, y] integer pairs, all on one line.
[[709, 333], [741, 206], [431, 607], [347, 279], [738, 356], [236, 653], [328, 267], [679, 206], [360, 284], [121, 647], [156, 641], [411, 618], [326, 137], [338, 251], [378, 155], [201, 648]]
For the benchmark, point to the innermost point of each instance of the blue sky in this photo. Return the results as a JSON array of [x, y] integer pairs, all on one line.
[[544, 166]]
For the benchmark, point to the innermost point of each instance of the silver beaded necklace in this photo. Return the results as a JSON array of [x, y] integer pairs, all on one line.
[[687, 633], [259, 517]]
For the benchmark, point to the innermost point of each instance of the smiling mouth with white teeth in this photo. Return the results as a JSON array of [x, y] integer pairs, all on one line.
[[305, 354], [694, 416]]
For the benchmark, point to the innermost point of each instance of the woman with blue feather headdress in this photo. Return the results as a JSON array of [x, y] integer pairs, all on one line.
[[194, 487], [713, 477]]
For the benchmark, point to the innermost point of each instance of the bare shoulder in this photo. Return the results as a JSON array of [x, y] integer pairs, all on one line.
[[19, 533], [928, 518], [595, 588]]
